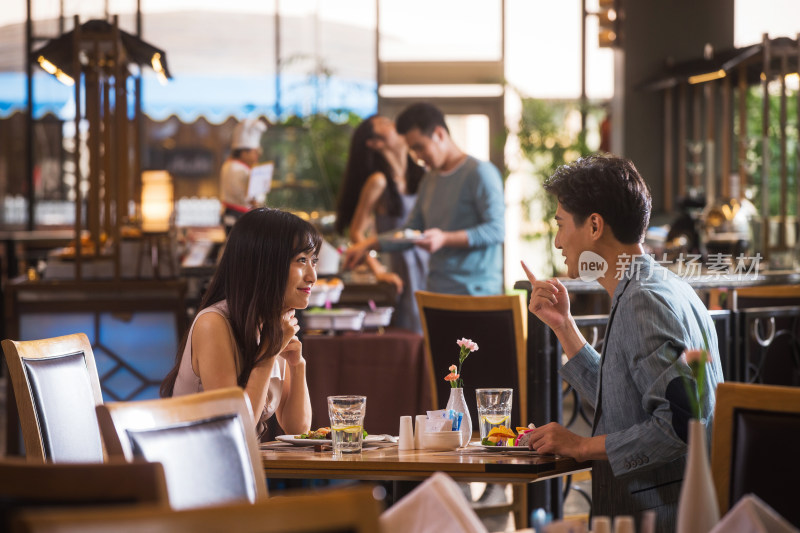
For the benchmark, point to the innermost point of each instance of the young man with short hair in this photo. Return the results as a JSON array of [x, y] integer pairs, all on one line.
[[459, 211], [638, 442]]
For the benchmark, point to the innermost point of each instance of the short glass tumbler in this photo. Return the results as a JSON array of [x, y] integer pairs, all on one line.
[[494, 409], [347, 422]]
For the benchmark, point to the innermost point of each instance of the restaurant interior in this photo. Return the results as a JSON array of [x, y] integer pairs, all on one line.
[[116, 118]]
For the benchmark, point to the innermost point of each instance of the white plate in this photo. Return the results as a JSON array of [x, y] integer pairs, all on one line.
[[512, 449], [292, 439]]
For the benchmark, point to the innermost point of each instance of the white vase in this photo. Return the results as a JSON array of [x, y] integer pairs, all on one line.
[[698, 510], [457, 403]]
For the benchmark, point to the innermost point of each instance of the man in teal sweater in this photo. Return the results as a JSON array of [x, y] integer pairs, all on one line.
[[459, 211]]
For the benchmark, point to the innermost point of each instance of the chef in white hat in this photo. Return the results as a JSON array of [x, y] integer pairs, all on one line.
[[235, 172]]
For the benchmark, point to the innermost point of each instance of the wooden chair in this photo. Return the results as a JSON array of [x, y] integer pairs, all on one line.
[[26, 485], [352, 509], [498, 325], [755, 441], [206, 442], [56, 387]]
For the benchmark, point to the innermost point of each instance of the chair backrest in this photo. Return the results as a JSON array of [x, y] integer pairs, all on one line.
[[56, 387], [755, 441], [497, 324], [26, 485], [352, 510], [206, 442]]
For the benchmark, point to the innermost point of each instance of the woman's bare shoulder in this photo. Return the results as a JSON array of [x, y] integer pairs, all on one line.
[[211, 323]]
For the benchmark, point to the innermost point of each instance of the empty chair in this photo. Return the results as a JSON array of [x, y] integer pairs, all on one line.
[[755, 439], [352, 509], [206, 442], [26, 485], [56, 387], [498, 325]]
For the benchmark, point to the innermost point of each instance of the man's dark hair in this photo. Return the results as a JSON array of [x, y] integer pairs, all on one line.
[[609, 186], [423, 116]]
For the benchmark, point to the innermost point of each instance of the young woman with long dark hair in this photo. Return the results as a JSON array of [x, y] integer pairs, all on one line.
[[379, 188], [245, 331]]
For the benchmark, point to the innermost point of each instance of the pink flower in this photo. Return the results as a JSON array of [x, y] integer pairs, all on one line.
[[468, 344], [466, 347], [694, 356]]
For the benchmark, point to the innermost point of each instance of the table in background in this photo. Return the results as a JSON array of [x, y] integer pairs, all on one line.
[[388, 368]]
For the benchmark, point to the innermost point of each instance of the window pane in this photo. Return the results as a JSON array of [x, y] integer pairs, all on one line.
[[470, 133], [441, 30], [543, 50]]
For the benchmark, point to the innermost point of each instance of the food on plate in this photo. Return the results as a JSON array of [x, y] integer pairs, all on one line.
[[523, 437], [321, 433], [498, 436], [501, 436], [408, 234]]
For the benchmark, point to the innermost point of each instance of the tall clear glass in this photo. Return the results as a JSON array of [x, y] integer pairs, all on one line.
[[494, 409], [347, 422]]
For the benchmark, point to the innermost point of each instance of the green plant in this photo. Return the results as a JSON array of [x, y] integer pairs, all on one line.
[[547, 143], [310, 154], [754, 154]]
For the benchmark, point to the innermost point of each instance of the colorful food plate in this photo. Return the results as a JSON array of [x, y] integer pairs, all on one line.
[[510, 449]]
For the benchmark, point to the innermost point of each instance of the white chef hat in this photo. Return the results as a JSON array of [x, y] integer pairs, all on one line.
[[247, 134]]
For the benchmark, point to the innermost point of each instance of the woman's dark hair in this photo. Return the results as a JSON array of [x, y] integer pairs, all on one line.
[[252, 276], [362, 162], [609, 186]]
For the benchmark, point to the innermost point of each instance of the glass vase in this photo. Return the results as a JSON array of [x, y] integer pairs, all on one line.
[[457, 403], [698, 510]]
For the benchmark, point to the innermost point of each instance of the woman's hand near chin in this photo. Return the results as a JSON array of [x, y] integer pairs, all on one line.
[[293, 352], [289, 328]]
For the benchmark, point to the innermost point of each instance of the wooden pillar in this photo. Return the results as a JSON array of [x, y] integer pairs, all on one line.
[[115, 178], [108, 151], [784, 175], [76, 69], [93, 104], [726, 127], [669, 135], [765, 159], [697, 136], [743, 91], [682, 137], [709, 90], [797, 155]]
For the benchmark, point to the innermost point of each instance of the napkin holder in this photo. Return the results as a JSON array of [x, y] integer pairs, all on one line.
[[441, 440]]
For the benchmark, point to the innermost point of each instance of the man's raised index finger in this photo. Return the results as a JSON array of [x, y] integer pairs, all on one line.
[[528, 272]]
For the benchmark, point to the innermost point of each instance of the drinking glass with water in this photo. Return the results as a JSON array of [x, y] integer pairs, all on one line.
[[494, 409], [347, 422]]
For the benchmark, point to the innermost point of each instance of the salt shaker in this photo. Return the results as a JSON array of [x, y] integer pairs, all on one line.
[[406, 441]]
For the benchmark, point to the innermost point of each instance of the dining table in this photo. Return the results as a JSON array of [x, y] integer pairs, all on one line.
[[388, 463]]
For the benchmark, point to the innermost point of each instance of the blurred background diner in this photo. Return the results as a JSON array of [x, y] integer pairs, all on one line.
[[133, 133]]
